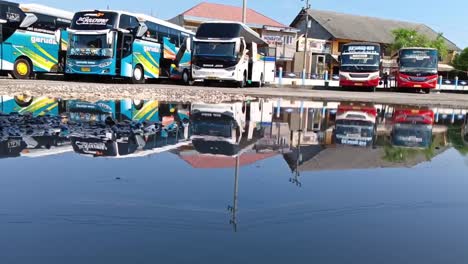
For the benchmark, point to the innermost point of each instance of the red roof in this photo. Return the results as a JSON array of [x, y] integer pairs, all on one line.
[[201, 161], [230, 13]]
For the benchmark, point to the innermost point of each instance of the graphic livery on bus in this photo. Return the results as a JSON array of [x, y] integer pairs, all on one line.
[[133, 46], [355, 125], [417, 68], [360, 65], [233, 52], [412, 128], [32, 39]]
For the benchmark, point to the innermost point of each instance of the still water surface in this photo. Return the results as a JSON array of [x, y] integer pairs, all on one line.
[[266, 187]]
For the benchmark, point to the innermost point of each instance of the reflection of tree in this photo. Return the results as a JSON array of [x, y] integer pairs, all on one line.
[[456, 136], [401, 154]]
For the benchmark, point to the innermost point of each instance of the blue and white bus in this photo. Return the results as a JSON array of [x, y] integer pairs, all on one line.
[[32, 39], [126, 45]]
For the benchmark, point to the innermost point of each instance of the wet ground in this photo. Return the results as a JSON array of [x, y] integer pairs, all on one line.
[[170, 92], [256, 181]]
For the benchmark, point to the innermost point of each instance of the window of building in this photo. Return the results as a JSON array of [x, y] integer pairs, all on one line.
[[288, 40]]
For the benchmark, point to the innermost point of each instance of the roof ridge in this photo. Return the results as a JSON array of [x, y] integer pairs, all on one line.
[[363, 16], [238, 7]]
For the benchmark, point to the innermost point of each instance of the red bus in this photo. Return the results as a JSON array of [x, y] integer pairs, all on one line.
[[412, 127], [417, 69], [360, 65], [356, 124]]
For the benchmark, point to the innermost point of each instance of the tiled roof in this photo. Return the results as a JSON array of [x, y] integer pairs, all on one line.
[[364, 28], [202, 161], [214, 11]]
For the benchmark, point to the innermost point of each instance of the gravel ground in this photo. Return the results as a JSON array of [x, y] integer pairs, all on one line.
[[177, 93]]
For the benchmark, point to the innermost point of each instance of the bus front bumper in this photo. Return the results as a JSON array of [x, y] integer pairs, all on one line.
[[417, 85], [104, 67], [359, 83], [214, 74]]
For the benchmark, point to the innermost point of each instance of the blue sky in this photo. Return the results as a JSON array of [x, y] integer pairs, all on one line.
[[447, 16]]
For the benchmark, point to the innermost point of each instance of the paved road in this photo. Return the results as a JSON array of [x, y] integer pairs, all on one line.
[[97, 91]]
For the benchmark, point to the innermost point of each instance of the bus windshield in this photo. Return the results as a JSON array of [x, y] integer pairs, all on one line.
[[350, 62], [355, 128], [215, 49], [418, 60], [219, 128], [412, 135], [93, 46]]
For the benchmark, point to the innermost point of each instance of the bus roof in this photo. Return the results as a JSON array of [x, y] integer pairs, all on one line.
[[249, 34], [362, 43], [45, 10], [143, 17], [419, 48]]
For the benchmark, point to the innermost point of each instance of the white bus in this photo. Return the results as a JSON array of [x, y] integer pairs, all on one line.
[[232, 52]]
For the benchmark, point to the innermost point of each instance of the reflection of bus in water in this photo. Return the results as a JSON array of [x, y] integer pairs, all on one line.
[[218, 122], [412, 127], [23, 104], [32, 136], [355, 124], [124, 127]]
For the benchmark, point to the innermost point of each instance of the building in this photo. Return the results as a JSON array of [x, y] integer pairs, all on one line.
[[279, 36], [337, 29]]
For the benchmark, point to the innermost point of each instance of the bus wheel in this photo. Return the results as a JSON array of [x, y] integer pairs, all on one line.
[[22, 69], [186, 78], [427, 91], [24, 100], [138, 75]]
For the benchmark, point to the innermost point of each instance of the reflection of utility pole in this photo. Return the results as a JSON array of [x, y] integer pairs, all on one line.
[[296, 172], [306, 34], [233, 209]]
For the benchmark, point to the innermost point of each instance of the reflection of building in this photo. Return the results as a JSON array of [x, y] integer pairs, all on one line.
[[279, 36], [338, 29]]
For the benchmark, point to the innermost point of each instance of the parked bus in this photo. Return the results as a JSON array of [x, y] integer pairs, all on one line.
[[356, 125], [32, 39], [231, 52], [417, 69], [412, 127], [133, 46], [35, 106], [360, 65]]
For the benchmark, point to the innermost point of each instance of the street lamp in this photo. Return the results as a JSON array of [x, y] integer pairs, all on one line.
[[306, 10]]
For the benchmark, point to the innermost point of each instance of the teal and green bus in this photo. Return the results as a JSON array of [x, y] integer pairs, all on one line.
[[125, 45], [32, 39]]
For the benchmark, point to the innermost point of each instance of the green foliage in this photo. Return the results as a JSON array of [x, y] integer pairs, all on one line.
[[455, 137], [461, 61], [411, 38]]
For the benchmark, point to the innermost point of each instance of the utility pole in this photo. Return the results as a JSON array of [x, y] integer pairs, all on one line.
[[244, 12], [306, 10]]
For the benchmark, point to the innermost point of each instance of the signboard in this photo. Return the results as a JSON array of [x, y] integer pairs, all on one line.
[[273, 39], [314, 45]]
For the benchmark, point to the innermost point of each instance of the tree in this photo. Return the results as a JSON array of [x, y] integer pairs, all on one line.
[[461, 61], [411, 38]]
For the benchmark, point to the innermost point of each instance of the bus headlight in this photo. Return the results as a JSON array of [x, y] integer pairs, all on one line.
[[195, 67], [231, 68], [404, 79], [343, 77], [105, 64]]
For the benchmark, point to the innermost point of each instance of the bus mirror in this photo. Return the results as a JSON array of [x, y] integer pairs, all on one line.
[[58, 35], [188, 44], [110, 37], [142, 30], [29, 20], [339, 58]]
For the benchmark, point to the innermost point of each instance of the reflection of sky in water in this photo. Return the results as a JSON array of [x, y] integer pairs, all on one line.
[[164, 210]]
